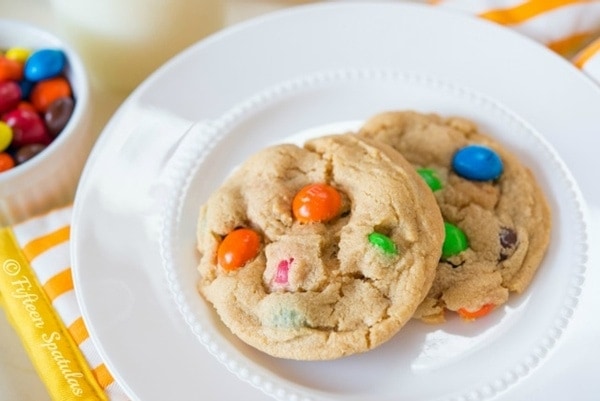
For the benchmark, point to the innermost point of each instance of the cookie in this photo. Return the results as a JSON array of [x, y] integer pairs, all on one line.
[[497, 219], [320, 251]]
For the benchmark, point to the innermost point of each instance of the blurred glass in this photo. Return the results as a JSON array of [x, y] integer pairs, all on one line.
[[122, 41]]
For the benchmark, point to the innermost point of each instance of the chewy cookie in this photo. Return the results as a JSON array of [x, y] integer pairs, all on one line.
[[497, 218], [320, 251]]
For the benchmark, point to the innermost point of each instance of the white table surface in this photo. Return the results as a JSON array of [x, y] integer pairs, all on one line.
[[19, 381]]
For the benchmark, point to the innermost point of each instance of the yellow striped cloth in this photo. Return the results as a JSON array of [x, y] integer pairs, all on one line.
[[569, 27], [37, 288]]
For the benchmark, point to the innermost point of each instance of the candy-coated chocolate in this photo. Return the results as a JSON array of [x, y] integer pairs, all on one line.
[[26, 87], [238, 248], [25, 105], [455, 241], [44, 64], [283, 269], [472, 315], [10, 95], [288, 318], [383, 242], [431, 178], [57, 115], [28, 128], [47, 91], [6, 162], [27, 152], [19, 54], [477, 163], [316, 203], [10, 70], [6, 135]]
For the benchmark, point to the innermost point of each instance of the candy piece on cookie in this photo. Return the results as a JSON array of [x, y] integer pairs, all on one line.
[[349, 238], [431, 178], [238, 248], [477, 163], [383, 242], [455, 241], [472, 315], [497, 218], [316, 203]]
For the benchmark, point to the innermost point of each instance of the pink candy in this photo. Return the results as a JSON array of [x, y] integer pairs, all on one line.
[[281, 276]]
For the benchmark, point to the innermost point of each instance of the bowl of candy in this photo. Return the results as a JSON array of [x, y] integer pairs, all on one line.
[[44, 121]]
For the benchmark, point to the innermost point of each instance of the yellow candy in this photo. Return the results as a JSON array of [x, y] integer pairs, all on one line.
[[6, 135], [19, 54]]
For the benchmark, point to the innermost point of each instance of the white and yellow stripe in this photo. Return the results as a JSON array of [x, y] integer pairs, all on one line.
[[44, 244], [588, 60], [564, 26]]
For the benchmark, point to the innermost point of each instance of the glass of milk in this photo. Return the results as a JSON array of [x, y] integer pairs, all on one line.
[[122, 41]]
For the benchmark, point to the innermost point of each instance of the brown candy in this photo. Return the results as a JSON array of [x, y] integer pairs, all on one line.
[[58, 114], [27, 152]]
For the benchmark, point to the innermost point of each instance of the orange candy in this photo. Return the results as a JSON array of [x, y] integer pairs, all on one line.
[[6, 162], [47, 91], [238, 248], [24, 105], [10, 70], [472, 315], [316, 203]]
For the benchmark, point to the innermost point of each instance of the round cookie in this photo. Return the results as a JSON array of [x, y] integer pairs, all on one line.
[[497, 218], [319, 285]]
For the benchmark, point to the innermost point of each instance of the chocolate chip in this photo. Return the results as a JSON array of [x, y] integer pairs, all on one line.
[[508, 241], [508, 237]]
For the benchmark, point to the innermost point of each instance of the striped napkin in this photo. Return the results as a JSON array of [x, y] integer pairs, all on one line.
[[36, 286], [569, 27], [39, 299]]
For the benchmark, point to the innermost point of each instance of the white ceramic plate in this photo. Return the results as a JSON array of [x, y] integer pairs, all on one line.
[[296, 72]]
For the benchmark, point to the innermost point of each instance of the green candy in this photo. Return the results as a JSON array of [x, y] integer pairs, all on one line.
[[288, 319], [455, 241], [431, 178], [383, 242]]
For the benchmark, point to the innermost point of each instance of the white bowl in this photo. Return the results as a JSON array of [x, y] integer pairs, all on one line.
[[49, 179]]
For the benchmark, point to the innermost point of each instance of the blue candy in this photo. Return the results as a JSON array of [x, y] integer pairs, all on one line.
[[44, 64], [477, 163]]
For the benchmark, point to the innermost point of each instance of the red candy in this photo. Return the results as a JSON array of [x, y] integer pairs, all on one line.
[[238, 248], [316, 203], [28, 128], [10, 95]]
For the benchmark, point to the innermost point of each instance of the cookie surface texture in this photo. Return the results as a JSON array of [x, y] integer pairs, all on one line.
[[337, 285], [499, 224]]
